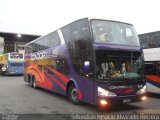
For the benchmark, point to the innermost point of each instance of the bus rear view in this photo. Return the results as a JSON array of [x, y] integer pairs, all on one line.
[[14, 64], [119, 63]]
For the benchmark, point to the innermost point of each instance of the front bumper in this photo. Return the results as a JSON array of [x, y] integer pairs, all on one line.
[[121, 99]]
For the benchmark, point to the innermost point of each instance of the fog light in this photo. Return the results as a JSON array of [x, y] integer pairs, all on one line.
[[103, 102], [143, 98]]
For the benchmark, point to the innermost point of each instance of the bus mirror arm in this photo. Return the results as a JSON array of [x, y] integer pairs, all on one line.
[[86, 66]]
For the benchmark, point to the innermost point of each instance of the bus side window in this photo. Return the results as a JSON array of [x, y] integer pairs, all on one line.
[[34, 51], [61, 66], [157, 68], [149, 69]]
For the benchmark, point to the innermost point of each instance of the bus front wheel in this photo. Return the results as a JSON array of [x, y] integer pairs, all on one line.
[[73, 94]]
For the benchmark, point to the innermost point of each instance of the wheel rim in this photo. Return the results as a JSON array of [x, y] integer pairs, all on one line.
[[74, 94]]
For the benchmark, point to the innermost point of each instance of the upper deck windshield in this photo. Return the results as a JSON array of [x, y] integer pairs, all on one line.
[[16, 56], [110, 32]]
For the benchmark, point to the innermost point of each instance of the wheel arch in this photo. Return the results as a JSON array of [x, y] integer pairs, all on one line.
[[69, 84]]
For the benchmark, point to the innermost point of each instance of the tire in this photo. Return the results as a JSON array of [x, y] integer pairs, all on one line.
[[33, 83], [73, 95]]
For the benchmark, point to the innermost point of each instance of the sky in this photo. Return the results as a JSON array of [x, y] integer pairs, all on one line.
[[39, 17]]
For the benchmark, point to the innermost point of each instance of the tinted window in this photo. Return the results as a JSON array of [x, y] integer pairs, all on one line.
[[110, 32], [77, 37], [66, 32], [16, 64], [144, 41], [16, 55], [150, 40], [28, 49], [60, 66], [155, 40], [48, 41], [152, 68]]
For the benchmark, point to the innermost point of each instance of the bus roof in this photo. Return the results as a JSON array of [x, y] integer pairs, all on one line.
[[90, 19], [110, 20]]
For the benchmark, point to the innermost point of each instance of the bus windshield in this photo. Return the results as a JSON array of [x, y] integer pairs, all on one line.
[[16, 56], [110, 32], [118, 64]]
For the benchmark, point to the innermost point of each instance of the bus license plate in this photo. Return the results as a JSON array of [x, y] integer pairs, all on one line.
[[126, 100]]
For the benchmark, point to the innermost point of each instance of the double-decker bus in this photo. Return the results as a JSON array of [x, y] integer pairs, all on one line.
[[12, 63], [89, 60], [151, 48]]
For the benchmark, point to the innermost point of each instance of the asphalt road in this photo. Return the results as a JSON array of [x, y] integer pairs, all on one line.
[[17, 97]]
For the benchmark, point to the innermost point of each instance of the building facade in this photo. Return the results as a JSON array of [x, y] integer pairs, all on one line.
[[12, 42]]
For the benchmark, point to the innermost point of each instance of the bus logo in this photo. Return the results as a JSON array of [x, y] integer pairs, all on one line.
[[45, 54]]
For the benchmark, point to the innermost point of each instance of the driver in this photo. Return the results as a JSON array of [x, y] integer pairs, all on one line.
[[104, 33]]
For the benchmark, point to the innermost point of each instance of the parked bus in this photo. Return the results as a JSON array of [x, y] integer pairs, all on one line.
[[12, 63], [151, 48], [91, 60]]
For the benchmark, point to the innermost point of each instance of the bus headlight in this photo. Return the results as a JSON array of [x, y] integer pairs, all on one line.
[[104, 93], [142, 90], [4, 68]]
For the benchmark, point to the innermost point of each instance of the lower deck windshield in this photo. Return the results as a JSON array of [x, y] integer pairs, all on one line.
[[118, 64]]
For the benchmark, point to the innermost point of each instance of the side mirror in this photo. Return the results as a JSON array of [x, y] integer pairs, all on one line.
[[86, 66]]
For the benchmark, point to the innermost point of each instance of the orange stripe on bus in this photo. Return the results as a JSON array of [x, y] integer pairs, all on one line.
[[46, 84], [153, 77], [60, 75], [61, 85]]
